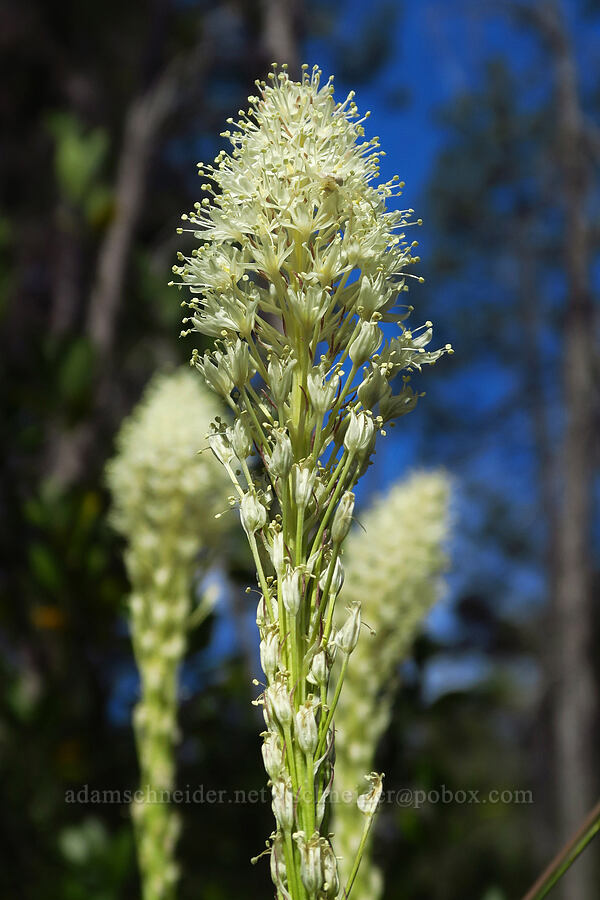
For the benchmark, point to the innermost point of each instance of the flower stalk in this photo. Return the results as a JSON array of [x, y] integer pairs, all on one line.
[[298, 265], [162, 490]]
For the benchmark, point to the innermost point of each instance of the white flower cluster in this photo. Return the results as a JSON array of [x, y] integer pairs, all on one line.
[[165, 495], [299, 255], [298, 264], [394, 566]]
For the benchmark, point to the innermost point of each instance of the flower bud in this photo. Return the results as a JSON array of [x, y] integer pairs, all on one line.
[[331, 882], [374, 389], [396, 405], [220, 445], [283, 804], [306, 729], [280, 379], [282, 456], [278, 869], [241, 439], [215, 373], [342, 518], [337, 579], [253, 514], [277, 552], [319, 670], [303, 480], [322, 394], [262, 613], [366, 343], [369, 801], [291, 591], [347, 637], [359, 433], [279, 702], [273, 755], [372, 296], [310, 861], [269, 654], [240, 366]]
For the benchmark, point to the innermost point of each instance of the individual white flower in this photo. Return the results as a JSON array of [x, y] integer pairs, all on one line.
[[342, 518], [278, 700], [303, 481], [322, 393], [253, 514], [306, 728], [282, 456], [277, 552], [311, 869], [291, 590], [369, 801], [269, 654], [283, 803], [359, 433], [347, 636], [273, 755], [366, 343]]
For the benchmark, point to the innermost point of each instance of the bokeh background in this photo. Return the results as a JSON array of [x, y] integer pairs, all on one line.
[[490, 112]]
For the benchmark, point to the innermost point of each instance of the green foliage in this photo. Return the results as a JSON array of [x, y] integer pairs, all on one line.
[[79, 158], [97, 862]]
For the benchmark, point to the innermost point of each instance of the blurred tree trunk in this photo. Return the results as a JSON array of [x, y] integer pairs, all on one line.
[[68, 449], [527, 256], [574, 706], [143, 124], [281, 33]]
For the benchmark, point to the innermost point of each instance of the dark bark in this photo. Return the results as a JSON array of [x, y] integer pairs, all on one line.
[[148, 113], [574, 705], [544, 839], [281, 33]]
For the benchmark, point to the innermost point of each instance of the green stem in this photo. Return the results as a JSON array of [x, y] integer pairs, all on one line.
[[294, 882], [343, 393], [334, 499], [334, 703], [358, 857], [199, 614], [299, 534], [565, 858], [309, 799], [325, 600], [259, 404], [261, 575], [257, 357], [257, 425], [291, 755]]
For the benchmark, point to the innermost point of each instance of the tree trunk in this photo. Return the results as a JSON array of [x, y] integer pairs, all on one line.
[[542, 768], [574, 709], [280, 31]]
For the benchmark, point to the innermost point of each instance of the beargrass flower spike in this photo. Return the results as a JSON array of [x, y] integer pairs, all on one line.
[[297, 265], [165, 495]]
